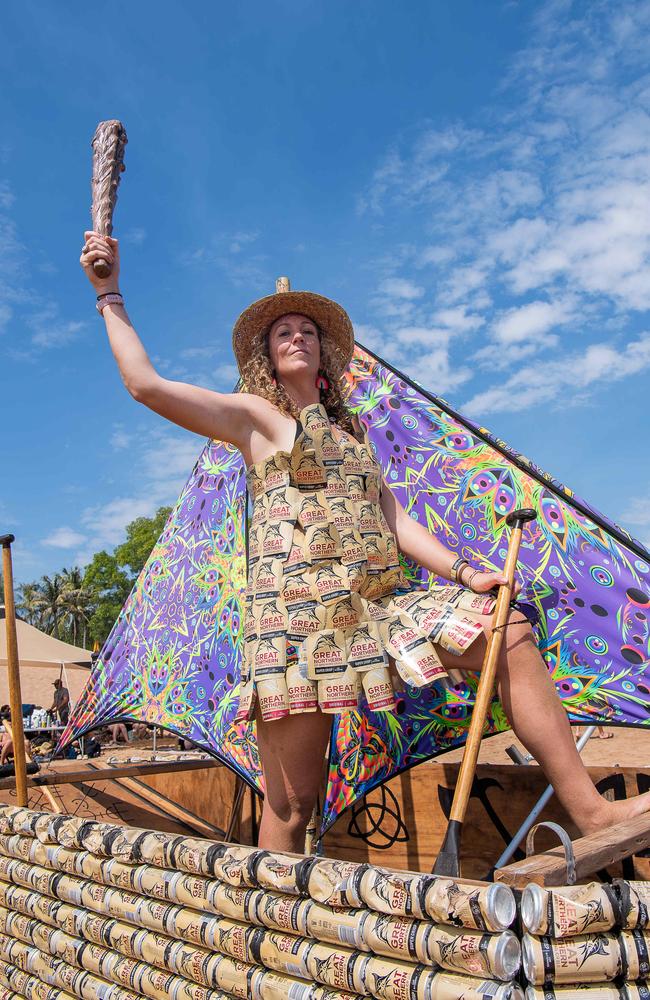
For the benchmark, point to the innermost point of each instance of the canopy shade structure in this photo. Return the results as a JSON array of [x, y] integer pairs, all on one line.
[[43, 659], [173, 655]]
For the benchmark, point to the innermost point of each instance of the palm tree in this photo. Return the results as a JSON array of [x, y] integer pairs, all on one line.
[[49, 603], [28, 602], [75, 602]]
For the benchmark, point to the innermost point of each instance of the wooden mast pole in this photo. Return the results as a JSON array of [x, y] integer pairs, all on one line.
[[13, 673]]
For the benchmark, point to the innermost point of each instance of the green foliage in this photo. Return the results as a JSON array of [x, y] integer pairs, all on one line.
[[109, 587], [81, 606], [141, 536]]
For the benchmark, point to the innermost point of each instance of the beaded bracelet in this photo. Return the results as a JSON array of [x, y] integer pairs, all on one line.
[[456, 569], [109, 298]]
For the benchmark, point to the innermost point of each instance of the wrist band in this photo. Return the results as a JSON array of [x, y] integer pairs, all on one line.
[[115, 291], [469, 582], [111, 298], [456, 569]]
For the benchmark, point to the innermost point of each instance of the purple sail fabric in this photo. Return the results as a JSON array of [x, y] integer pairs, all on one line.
[[172, 658], [587, 579], [173, 655]]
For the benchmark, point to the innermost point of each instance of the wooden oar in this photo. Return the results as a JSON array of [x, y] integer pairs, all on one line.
[[448, 862], [13, 673]]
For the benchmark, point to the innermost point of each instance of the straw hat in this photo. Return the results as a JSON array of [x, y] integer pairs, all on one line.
[[330, 318]]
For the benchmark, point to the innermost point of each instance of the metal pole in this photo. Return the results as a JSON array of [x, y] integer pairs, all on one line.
[[537, 808], [13, 673]]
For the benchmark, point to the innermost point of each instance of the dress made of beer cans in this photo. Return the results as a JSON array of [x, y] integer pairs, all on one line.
[[327, 603]]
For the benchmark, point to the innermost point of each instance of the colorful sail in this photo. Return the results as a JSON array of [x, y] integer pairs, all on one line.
[[173, 655]]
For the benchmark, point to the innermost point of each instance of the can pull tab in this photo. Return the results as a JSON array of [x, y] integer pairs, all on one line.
[[564, 839]]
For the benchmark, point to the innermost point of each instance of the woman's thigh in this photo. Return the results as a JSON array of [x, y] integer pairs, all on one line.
[[516, 632], [292, 753]]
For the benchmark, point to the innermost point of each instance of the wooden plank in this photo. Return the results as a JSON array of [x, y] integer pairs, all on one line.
[[164, 804], [110, 773], [598, 850]]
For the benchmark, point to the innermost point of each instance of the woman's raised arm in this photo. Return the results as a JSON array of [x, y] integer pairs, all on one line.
[[227, 416]]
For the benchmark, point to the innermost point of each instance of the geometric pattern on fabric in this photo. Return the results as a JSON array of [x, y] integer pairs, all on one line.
[[588, 580]]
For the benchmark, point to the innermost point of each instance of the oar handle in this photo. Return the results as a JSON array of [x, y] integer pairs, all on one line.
[[448, 861], [13, 673], [485, 689]]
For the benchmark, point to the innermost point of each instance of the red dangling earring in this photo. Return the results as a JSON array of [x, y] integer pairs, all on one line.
[[274, 381], [322, 383]]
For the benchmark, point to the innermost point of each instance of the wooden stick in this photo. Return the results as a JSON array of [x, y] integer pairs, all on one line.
[[108, 145], [29, 760], [448, 861], [110, 773], [13, 673]]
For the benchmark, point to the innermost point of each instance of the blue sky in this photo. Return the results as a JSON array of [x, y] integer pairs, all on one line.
[[469, 179]]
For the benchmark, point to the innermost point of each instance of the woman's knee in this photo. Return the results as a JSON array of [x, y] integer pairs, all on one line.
[[292, 805], [518, 638]]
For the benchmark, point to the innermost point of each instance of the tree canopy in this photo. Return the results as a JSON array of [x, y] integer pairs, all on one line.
[[81, 605]]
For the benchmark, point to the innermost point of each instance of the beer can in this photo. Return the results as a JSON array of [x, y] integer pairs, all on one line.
[[478, 906], [281, 872], [273, 694], [392, 979], [230, 863], [302, 692], [157, 983], [236, 902], [578, 991], [156, 882], [133, 846], [281, 952], [284, 913], [193, 890], [447, 986], [338, 693], [494, 956], [378, 689], [588, 958], [337, 925], [635, 947], [634, 902], [394, 935], [337, 967], [394, 893], [267, 985], [183, 923], [336, 883], [571, 910], [233, 939]]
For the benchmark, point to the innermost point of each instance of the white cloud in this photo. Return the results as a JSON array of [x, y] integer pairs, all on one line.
[[536, 384], [400, 288], [163, 466], [226, 376], [51, 331], [119, 438], [532, 229], [64, 538], [530, 321], [638, 511]]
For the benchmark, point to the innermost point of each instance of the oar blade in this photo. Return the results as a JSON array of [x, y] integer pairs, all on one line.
[[448, 860]]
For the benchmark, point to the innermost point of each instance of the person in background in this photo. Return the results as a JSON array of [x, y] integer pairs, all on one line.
[[118, 732], [61, 703]]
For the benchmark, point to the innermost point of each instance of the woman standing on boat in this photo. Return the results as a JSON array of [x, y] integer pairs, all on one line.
[[324, 616]]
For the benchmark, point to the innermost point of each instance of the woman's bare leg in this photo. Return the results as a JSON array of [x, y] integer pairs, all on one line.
[[292, 752], [538, 719]]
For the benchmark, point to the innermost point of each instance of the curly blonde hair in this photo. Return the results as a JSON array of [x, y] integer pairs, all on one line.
[[258, 377]]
